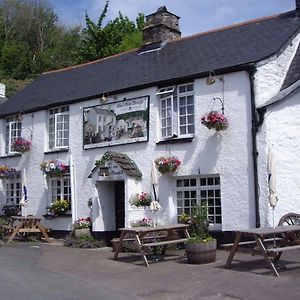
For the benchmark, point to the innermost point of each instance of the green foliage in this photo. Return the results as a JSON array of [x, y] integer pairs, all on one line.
[[116, 36], [199, 223], [32, 41], [85, 241]]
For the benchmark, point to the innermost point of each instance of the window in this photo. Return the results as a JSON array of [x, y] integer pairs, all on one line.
[[12, 132], [177, 111], [200, 190], [13, 189], [61, 188], [59, 127]]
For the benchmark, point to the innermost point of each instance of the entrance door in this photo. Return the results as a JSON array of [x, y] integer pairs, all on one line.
[[119, 204]]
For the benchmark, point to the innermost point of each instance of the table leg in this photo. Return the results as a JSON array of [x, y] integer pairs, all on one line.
[[233, 249], [14, 233], [265, 255], [119, 245], [140, 248], [44, 232]]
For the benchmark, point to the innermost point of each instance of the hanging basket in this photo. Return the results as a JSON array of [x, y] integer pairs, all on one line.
[[215, 120], [167, 165]]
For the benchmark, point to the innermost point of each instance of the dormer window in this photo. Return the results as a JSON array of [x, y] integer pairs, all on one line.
[[177, 111]]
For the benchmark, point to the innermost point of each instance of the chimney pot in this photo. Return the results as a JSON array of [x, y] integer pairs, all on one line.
[[160, 27]]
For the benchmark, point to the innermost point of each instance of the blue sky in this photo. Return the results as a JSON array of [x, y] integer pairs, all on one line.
[[196, 15]]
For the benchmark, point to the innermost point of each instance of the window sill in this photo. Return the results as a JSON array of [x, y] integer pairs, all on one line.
[[56, 151], [176, 140], [11, 155], [50, 217]]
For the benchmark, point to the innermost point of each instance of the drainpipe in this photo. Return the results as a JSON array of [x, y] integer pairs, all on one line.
[[254, 128]]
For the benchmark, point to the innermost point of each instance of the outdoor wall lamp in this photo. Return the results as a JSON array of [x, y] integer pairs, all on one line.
[[104, 171], [211, 78], [103, 99]]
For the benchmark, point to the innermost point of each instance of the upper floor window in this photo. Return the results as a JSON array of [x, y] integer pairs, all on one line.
[[59, 127], [12, 132], [177, 111]]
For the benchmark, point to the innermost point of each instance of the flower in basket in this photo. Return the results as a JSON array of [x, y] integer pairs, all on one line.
[[60, 207], [54, 167], [82, 223], [142, 199], [142, 222], [167, 164], [7, 172], [21, 145], [215, 120]]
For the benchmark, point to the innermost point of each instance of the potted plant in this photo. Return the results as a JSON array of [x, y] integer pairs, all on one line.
[[11, 210], [59, 208], [215, 120], [140, 200], [167, 165], [142, 222], [54, 167], [21, 145], [201, 246], [7, 172], [82, 227]]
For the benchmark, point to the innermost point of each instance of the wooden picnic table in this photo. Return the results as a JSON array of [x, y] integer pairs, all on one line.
[[148, 236], [268, 242], [20, 224]]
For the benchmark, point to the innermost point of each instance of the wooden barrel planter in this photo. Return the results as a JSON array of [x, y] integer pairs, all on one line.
[[201, 253]]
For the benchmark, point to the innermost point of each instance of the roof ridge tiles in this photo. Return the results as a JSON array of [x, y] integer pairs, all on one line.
[[175, 41], [232, 26]]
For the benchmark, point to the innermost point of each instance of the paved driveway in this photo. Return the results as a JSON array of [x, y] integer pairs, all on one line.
[[51, 271]]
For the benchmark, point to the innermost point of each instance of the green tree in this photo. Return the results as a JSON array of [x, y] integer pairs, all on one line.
[[116, 36]]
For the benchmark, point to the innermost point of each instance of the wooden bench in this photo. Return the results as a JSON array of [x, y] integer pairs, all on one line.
[[163, 243], [228, 246], [7, 228], [283, 249], [128, 243]]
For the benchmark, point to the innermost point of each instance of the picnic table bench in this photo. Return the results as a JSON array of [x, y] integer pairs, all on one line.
[[25, 225], [283, 238], [168, 235]]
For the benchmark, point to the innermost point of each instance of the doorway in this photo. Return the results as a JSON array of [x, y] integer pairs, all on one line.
[[119, 204]]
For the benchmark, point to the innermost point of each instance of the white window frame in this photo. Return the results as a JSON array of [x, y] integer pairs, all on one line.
[[54, 195], [194, 195], [13, 128], [13, 189], [173, 93], [59, 142]]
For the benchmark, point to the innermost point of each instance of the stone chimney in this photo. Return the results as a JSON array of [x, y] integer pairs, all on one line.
[[161, 26], [297, 8]]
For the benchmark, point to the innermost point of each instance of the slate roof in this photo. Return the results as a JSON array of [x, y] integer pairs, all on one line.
[[230, 48], [293, 73], [124, 162]]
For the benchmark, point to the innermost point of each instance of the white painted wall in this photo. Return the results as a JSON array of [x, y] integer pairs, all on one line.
[[281, 133], [226, 153], [271, 73]]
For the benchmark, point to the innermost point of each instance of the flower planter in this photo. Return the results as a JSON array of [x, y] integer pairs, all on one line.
[[167, 165], [82, 232], [201, 253]]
